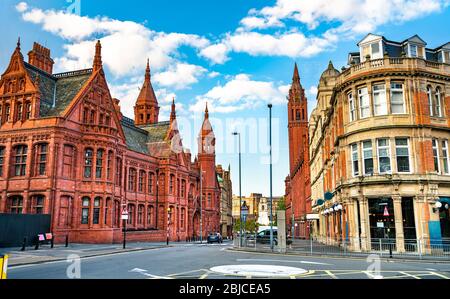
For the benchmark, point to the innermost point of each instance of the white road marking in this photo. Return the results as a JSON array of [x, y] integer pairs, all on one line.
[[331, 274], [256, 270], [370, 275], [281, 261], [144, 272], [410, 275], [440, 275]]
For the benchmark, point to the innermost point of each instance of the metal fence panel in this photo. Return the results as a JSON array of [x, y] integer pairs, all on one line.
[[15, 227]]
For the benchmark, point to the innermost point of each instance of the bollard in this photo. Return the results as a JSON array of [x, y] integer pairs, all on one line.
[[3, 266], [37, 244], [67, 240], [24, 244], [390, 250], [52, 241]]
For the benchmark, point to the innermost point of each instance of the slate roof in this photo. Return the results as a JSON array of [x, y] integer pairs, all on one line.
[[60, 88], [150, 139]]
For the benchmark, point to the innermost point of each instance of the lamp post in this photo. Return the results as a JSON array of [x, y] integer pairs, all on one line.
[[271, 200], [157, 190], [240, 193], [201, 205]]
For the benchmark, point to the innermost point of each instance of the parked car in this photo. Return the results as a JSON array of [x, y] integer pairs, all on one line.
[[263, 237], [214, 238]]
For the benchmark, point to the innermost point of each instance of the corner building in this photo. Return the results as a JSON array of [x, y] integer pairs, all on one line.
[[379, 148], [66, 150]]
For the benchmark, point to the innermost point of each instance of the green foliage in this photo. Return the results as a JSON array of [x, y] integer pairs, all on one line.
[[251, 226], [281, 206]]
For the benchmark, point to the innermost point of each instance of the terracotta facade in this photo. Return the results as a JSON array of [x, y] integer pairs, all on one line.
[[66, 150]]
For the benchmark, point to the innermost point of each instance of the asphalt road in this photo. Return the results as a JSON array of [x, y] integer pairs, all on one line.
[[196, 261]]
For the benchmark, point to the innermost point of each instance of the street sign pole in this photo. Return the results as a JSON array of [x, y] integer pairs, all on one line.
[[124, 218]]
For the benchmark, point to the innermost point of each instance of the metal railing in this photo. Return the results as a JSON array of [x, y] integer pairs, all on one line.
[[384, 247]]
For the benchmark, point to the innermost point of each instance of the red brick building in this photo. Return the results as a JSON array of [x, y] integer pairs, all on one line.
[[66, 150], [298, 184]]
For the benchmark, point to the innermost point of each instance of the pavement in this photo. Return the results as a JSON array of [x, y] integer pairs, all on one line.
[[212, 261]]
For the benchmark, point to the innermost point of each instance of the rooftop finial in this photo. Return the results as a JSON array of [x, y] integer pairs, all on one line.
[[173, 114], [206, 111], [98, 56], [147, 70], [18, 43]]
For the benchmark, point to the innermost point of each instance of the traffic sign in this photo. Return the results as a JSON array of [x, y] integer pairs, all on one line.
[[124, 213], [386, 212]]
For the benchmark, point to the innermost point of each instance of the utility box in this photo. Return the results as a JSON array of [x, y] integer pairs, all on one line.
[[281, 231]]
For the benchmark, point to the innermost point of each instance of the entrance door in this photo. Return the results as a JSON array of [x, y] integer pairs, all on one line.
[[196, 226], [382, 222]]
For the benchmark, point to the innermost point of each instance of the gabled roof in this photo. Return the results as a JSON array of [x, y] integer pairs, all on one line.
[[415, 39], [370, 37], [58, 90]]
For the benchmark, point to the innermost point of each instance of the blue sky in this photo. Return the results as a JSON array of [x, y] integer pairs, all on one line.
[[236, 55]]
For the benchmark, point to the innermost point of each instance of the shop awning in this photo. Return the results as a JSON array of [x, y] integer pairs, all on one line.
[[444, 199]]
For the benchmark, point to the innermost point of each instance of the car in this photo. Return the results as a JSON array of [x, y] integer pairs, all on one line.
[[214, 238], [263, 237]]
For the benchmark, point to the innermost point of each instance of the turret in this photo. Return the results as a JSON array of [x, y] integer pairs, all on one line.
[[146, 110]]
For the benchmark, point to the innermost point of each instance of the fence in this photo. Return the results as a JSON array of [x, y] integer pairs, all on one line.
[[390, 248], [15, 227]]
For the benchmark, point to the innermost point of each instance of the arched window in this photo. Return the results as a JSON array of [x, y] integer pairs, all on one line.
[[151, 181], [116, 213], [28, 110], [68, 161], [37, 204], [85, 115], [40, 158], [19, 111], [20, 159], [131, 214], [85, 206], [15, 204], [92, 117], [141, 186], [171, 182], [99, 164], [149, 215], [183, 188], [140, 214], [132, 180], [437, 97], [2, 159], [430, 100], [96, 214], [88, 155], [297, 115], [118, 171], [7, 112], [109, 165]]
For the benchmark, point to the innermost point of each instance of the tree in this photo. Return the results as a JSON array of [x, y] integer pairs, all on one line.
[[251, 226], [281, 205]]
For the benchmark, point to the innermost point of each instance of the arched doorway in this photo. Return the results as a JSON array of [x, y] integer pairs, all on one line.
[[196, 224]]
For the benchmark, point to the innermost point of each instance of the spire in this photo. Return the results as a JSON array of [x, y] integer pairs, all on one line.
[[206, 111], [296, 76], [330, 65], [18, 44], [147, 71], [98, 56], [173, 114]]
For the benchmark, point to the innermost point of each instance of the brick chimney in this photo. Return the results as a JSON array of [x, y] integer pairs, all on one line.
[[39, 56]]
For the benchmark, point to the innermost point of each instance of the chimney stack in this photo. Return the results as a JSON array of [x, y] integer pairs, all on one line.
[[39, 57]]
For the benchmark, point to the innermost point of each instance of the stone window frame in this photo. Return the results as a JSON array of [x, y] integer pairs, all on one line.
[[88, 162], [23, 156], [2, 159], [40, 158]]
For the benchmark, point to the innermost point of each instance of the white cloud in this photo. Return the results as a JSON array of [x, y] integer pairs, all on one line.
[[216, 53], [179, 76], [21, 7], [81, 32], [239, 93], [312, 92], [213, 74]]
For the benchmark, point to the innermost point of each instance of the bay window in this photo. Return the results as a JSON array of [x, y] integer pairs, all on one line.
[[352, 108], [367, 157], [96, 214], [384, 156], [355, 166], [437, 97], [445, 156], [402, 153], [434, 144], [99, 164], [397, 99], [41, 158], [379, 99], [364, 103]]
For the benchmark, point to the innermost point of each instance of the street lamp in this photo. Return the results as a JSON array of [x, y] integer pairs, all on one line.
[[240, 193], [201, 204], [270, 202]]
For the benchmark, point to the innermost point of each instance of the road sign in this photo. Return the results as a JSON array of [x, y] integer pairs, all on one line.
[[124, 213], [244, 211]]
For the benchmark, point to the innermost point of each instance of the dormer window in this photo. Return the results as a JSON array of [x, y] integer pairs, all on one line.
[[373, 49], [413, 50]]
